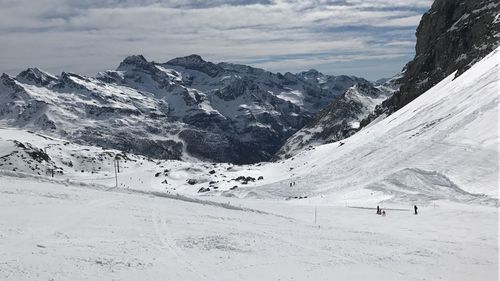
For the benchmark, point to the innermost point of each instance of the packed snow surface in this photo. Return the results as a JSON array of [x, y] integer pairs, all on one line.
[[56, 232]]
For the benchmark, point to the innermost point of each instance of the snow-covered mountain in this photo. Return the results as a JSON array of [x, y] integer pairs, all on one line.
[[184, 108], [340, 119]]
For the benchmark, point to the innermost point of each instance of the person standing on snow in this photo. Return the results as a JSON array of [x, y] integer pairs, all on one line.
[[416, 209], [378, 210]]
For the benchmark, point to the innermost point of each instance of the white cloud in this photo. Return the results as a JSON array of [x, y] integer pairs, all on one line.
[[89, 35]]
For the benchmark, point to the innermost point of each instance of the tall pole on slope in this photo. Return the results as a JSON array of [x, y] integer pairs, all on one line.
[[116, 174]]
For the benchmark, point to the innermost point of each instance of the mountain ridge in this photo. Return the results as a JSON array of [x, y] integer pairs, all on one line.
[[185, 107]]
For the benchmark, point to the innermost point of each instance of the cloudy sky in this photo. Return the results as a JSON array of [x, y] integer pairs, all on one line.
[[369, 38]]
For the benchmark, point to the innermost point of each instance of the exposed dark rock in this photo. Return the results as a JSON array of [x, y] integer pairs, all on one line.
[[36, 76], [452, 36], [203, 189], [195, 62], [244, 180]]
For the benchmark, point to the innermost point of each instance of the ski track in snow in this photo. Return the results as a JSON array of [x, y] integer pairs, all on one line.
[[166, 241]]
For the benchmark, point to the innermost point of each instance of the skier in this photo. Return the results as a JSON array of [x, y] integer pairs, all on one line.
[[383, 213], [416, 209], [378, 210]]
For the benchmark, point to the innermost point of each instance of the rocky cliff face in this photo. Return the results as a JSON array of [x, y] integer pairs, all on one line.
[[452, 36], [186, 107]]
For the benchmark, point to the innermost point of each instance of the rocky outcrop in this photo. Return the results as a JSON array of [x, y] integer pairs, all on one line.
[[36, 76], [452, 36]]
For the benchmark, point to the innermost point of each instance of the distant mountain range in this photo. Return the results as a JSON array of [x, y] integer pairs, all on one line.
[[182, 109]]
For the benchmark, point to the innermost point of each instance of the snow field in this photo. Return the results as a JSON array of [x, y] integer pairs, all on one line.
[[70, 233]]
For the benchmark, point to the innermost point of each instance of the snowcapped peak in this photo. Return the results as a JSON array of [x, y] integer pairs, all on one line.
[[187, 59], [36, 76], [10, 83], [311, 74], [196, 62], [72, 80], [66, 75], [5, 76], [6, 80], [134, 61]]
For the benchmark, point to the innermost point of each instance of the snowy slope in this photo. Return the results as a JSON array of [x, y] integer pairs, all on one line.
[[28, 154], [58, 232], [444, 144]]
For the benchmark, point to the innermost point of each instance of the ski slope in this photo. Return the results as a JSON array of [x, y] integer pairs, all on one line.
[[443, 145], [55, 232]]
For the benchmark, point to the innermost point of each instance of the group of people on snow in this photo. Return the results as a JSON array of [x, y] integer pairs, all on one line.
[[382, 212]]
